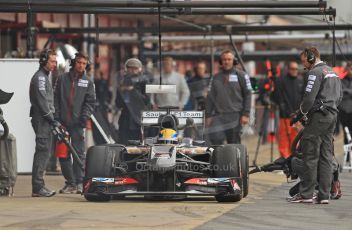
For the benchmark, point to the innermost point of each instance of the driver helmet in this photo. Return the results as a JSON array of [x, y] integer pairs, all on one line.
[[167, 136]]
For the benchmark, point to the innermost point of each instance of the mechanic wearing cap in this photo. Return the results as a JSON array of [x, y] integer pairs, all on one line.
[[228, 102], [42, 113], [132, 100], [171, 77], [323, 93], [74, 104]]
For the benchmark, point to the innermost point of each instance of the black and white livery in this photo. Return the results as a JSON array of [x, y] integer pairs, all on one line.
[[170, 165]]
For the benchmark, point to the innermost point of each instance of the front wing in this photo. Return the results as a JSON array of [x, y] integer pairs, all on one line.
[[193, 187]]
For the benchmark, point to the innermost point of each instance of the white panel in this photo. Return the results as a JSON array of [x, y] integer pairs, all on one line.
[[160, 88], [151, 117], [15, 77]]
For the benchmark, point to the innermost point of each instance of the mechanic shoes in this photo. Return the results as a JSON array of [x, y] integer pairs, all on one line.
[[299, 199], [68, 189], [79, 188], [43, 192], [317, 201], [289, 198]]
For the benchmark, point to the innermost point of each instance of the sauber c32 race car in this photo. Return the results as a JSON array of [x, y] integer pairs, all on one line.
[[167, 165]]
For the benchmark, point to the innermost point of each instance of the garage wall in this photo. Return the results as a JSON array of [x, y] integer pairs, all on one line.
[[15, 77]]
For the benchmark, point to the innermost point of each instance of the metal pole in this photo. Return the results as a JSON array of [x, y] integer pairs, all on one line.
[[30, 32], [155, 4], [202, 28], [253, 37], [273, 55], [171, 11], [215, 28], [91, 46], [141, 42], [96, 55], [237, 54], [159, 31], [212, 59], [86, 34], [107, 139], [333, 45]]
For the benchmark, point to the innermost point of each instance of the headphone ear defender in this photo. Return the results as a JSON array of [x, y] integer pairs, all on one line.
[[310, 56], [220, 61], [88, 65], [235, 61], [43, 58]]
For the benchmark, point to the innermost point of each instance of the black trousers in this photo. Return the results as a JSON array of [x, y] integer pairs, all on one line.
[[317, 149], [43, 141], [233, 136], [128, 130], [72, 172], [298, 167], [346, 121], [226, 127]]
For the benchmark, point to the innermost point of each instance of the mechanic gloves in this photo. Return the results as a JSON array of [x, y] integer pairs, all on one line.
[[83, 121], [298, 116]]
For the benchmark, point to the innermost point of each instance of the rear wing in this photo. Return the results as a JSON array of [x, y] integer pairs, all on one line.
[[151, 117]]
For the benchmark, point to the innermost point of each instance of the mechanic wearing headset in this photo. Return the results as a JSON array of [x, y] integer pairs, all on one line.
[[228, 102], [42, 112], [74, 104], [323, 93]]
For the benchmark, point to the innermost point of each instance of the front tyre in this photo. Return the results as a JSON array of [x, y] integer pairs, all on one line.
[[244, 168], [223, 157]]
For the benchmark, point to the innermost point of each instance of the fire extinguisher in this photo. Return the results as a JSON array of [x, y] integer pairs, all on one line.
[[61, 149]]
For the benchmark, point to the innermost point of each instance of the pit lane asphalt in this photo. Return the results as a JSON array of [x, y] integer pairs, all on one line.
[[273, 212], [264, 208]]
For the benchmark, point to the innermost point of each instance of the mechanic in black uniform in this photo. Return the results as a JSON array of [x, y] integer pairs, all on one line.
[[345, 107], [287, 94], [132, 100], [198, 86], [74, 104], [323, 93], [42, 112], [228, 102]]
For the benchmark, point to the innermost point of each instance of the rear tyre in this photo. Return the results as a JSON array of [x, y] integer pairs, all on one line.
[[97, 198], [223, 158]]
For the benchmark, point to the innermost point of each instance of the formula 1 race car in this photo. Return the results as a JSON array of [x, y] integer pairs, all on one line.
[[167, 166]]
